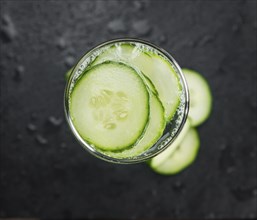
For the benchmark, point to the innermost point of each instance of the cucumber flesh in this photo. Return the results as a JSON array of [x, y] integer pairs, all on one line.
[[166, 82], [132, 56], [182, 157], [152, 133], [158, 71], [157, 160], [109, 106], [200, 97]]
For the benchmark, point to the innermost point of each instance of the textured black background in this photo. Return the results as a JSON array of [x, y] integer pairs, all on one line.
[[46, 174]]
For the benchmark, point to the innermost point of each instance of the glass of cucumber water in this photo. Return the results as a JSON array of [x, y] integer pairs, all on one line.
[[126, 100]]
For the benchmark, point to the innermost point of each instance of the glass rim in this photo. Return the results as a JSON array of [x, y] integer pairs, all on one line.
[[86, 145]]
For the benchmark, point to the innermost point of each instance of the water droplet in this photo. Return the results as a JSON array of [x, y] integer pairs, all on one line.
[[255, 192], [223, 146], [162, 39], [142, 27], [41, 140], [230, 170], [8, 30], [139, 5], [61, 43], [205, 40], [31, 127], [55, 121], [69, 61], [210, 216], [18, 137], [33, 116], [19, 72], [63, 145], [238, 22], [117, 26], [178, 186], [154, 192]]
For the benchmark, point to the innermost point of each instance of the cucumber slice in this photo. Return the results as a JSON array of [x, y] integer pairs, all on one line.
[[157, 160], [131, 55], [152, 133], [109, 106], [163, 78], [166, 82], [200, 97], [182, 157]]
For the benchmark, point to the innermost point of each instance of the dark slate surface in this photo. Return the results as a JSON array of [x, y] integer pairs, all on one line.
[[46, 174]]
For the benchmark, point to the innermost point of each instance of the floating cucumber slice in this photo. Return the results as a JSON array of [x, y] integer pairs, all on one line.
[[109, 106], [182, 157], [166, 82], [131, 55], [152, 133], [157, 160], [200, 97], [162, 77]]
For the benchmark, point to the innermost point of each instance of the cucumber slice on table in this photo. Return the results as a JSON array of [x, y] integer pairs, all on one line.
[[67, 74], [152, 133], [160, 76], [157, 160], [200, 97], [109, 106], [181, 158]]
